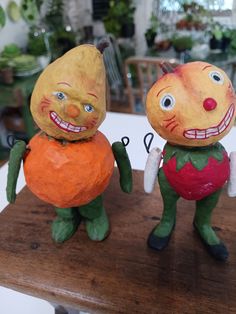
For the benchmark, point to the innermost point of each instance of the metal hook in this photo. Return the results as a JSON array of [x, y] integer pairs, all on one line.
[[123, 139], [11, 140], [146, 144]]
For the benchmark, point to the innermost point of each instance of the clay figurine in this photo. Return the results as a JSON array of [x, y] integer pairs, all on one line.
[[69, 162], [192, 107]]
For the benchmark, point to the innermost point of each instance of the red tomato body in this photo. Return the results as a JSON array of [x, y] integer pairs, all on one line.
[[193, 184]]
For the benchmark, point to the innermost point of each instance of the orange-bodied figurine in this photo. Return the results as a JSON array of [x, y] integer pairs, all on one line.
[[69, 162]]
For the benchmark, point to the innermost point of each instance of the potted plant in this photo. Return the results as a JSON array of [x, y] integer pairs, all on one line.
[[232, 45], [216, 35], [193, 16], [151, 32], [6, 71], [38, 45], [182, 43]]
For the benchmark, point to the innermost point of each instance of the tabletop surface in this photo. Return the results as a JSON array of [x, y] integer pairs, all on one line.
[[121, 274]]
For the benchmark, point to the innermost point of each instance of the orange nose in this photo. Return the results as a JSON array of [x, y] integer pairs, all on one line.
[[72, 111]]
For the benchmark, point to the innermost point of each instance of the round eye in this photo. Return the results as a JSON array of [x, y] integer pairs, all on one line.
[[167, 102], [216, 77], [60, 95], [88, 108]]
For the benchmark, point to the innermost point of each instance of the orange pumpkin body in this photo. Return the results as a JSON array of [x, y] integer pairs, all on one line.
[[71, 174]]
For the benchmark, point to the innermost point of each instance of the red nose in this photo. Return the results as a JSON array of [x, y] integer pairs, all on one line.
[[209, 104]]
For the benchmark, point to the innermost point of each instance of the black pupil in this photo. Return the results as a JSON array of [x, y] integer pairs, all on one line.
[[167, 102], [60, 95], [216, 77]]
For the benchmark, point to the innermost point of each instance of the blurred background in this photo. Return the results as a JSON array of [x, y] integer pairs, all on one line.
[[141, 33]]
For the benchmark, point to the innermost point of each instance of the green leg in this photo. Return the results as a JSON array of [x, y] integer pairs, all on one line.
[[66, 224], [202, 223], [96, 221], [160, 235]]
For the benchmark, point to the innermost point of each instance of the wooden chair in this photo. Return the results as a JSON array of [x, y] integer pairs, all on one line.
[[140, 74], [114, 69]]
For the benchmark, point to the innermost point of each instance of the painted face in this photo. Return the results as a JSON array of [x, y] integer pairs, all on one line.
[[68, 101], [193, 106]]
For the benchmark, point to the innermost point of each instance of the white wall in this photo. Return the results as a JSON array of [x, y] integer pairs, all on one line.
[[13, 32], [142, 17]]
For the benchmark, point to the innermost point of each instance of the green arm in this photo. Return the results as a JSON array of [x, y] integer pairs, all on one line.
[[124, 166], [16, 155]]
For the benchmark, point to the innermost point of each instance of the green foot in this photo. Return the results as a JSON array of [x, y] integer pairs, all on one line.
[[98, 228], [66, 224], [63, 229], [212, 243]]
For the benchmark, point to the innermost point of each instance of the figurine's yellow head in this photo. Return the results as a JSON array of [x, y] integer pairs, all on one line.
[[192, 106], [69, 98]]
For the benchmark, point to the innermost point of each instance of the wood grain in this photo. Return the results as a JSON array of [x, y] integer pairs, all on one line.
[[121, 274]]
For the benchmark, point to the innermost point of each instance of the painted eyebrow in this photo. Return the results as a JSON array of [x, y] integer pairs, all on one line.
[[64, 83], [207, 66], [93, 95], [162, 90]]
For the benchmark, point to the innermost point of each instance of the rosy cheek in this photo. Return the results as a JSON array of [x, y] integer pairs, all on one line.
[[44, 104], [230, 90], [91, 121]]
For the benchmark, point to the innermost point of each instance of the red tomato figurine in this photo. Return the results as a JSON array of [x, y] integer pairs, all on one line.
[[192, 107]]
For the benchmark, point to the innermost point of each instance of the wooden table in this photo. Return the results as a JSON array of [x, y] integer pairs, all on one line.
[[121, 274]]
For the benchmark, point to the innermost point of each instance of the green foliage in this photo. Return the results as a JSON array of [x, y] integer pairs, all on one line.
[[39, 3], [193, 16], [3, 63], [61, 41], [120, 12], [198, 157], [182, 43], [216, 30], [154, 23], [232, 47], [24, 63], [11, 51], [29, 11], [36, 44], [54, 15], [152, 29]]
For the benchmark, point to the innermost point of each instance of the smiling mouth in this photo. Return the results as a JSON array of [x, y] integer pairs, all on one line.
[[213, 131], [65, 126]]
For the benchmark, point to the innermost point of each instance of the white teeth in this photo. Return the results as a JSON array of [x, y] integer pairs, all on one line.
[[203, 134], [191, 132], [66, 126], [190, 135], [211, 131]]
